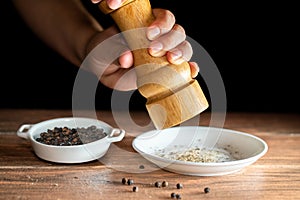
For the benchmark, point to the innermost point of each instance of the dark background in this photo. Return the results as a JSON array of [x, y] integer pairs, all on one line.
[[253, 45]]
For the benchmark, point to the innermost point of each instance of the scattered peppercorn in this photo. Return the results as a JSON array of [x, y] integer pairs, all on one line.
[[206, 190], [157, 184], [135, 189], [173, 195], [142, 167], [124, 180], [178, 196], [179, 186], [130, 182], [164, 184]]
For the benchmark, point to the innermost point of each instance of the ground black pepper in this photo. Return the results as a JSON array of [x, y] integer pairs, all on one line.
[[64, 136]]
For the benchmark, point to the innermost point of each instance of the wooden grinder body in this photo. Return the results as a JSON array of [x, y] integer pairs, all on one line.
[[172, 95]]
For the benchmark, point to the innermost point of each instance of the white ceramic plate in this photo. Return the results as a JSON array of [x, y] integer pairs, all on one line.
[[75, 153], [157, 145]]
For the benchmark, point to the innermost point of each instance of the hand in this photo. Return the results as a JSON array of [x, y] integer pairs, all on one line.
[[168, 39], [164, 41]]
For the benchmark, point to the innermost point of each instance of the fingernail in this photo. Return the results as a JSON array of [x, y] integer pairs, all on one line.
[[153, 32], [176, 57], [197, 67], [156, 47], [95, 1], [114, 4], [194, 69]]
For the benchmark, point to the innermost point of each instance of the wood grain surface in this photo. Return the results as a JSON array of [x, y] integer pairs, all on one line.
[[24, 176]]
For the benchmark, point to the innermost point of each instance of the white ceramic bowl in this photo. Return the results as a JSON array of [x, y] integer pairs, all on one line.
[[75, 153], [246, 149]]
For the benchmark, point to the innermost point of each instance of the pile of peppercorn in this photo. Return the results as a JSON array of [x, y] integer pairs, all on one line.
[[65, 136]]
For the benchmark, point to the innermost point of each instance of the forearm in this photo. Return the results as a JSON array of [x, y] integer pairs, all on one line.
[[64, 25]]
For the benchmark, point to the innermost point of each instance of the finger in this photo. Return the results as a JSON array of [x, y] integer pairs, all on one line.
[[194, 69], [126, 59], [127, 80], [156, 49], [114, 4], [120, 79], [163, 23], [183, 52], [167, 41]]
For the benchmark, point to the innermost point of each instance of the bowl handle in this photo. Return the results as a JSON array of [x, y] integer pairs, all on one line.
[[23, 131], [116, 135]]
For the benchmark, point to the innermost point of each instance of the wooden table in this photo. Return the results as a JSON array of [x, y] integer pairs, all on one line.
[[24, 176]]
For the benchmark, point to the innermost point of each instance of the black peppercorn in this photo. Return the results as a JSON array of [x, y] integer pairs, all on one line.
[[178, 196], [206, 190], [135, 189], [173, 195], [142, 167], [157, 184], [164, 184], [64, 136], [124, 180], [179, 186], [129, 181]]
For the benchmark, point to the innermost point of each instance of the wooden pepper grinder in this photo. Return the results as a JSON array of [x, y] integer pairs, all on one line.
[[172, 95]]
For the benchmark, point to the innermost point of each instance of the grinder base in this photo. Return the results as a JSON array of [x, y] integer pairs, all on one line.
[[177, 107]]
